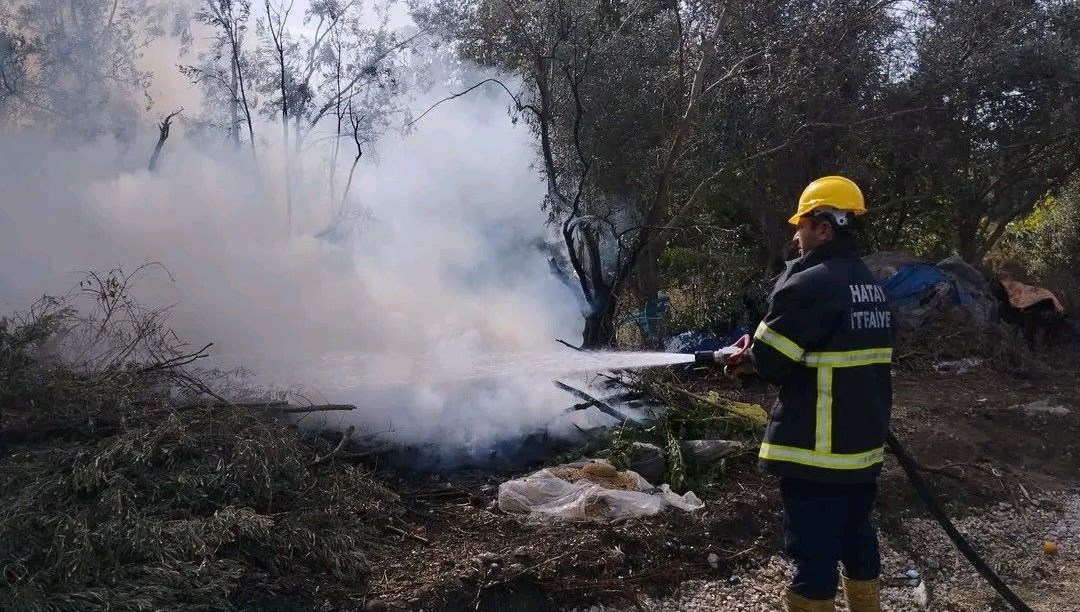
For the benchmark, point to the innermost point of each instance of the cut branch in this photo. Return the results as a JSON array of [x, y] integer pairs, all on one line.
[[600, 404], [567, 344], [402, 532]]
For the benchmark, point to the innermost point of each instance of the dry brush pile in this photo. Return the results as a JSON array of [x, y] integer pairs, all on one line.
[[115, 496]]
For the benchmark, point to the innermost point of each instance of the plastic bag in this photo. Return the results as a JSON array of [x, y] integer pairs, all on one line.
[[545, 495]]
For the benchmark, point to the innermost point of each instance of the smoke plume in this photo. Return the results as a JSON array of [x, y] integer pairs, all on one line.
[[440, 274]]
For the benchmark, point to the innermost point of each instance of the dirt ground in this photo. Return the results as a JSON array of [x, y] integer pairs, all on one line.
[[992, 445]]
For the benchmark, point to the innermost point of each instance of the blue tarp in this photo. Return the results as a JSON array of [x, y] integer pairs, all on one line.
[[656, 310], [909, 283], [693, 341]]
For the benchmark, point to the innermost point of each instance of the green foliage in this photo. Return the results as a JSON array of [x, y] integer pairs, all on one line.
[[613, 445], [686, 416], [1044, 248], [74, 66], [752, 413], [676, 466], [997, 134], [1047, 241], [714, 280], [702, 416], [20, 337]]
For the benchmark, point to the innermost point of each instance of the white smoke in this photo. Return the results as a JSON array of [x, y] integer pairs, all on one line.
[[440, 274]]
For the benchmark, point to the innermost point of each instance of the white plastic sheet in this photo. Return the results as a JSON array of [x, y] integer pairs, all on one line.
[[545, 495]]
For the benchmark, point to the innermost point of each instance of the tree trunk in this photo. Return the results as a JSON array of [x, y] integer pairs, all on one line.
[[348, 184], [296, 162], [647, 253], [337, 132], [234, 106], [156, 155], [967, 238], [163, 135], [288, 173], [277, 29], [599, 329], [774, 242], [647, 273], [243, 99]]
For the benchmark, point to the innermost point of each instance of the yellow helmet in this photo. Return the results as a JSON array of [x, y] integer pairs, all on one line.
[[831, 191]]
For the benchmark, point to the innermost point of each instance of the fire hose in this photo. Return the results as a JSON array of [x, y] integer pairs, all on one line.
[[934, 508], [911, 468]]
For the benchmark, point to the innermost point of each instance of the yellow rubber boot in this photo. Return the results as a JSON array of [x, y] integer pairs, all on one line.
[[863, 595], [793, 602]]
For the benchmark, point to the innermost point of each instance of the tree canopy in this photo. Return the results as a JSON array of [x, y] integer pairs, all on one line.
[[653, 118]]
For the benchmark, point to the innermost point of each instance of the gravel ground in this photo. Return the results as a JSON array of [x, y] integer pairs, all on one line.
[[1010, 537]]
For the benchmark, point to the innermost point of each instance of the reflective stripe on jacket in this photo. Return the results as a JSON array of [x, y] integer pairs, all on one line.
[[826, 341]]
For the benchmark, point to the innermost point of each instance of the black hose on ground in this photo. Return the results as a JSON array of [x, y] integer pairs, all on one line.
[[912, 471]]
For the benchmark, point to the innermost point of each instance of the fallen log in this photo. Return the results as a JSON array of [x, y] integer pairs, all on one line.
[[280, 407], [224, 403], [313, 408]]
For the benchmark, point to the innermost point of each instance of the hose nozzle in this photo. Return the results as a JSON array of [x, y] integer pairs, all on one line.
[[713, 357]]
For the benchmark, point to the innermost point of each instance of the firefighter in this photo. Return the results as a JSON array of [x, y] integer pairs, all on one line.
[[826, 342]]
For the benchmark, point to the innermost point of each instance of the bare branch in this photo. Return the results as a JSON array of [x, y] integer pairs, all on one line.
[[176, 362], [734, 71], [470, 89], [345, 437], [355, 122], [797, 134], [361, 74]]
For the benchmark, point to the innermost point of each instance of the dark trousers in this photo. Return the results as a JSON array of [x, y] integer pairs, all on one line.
[[826, 524]]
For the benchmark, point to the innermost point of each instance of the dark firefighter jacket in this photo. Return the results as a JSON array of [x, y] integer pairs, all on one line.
[[826, 341]]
